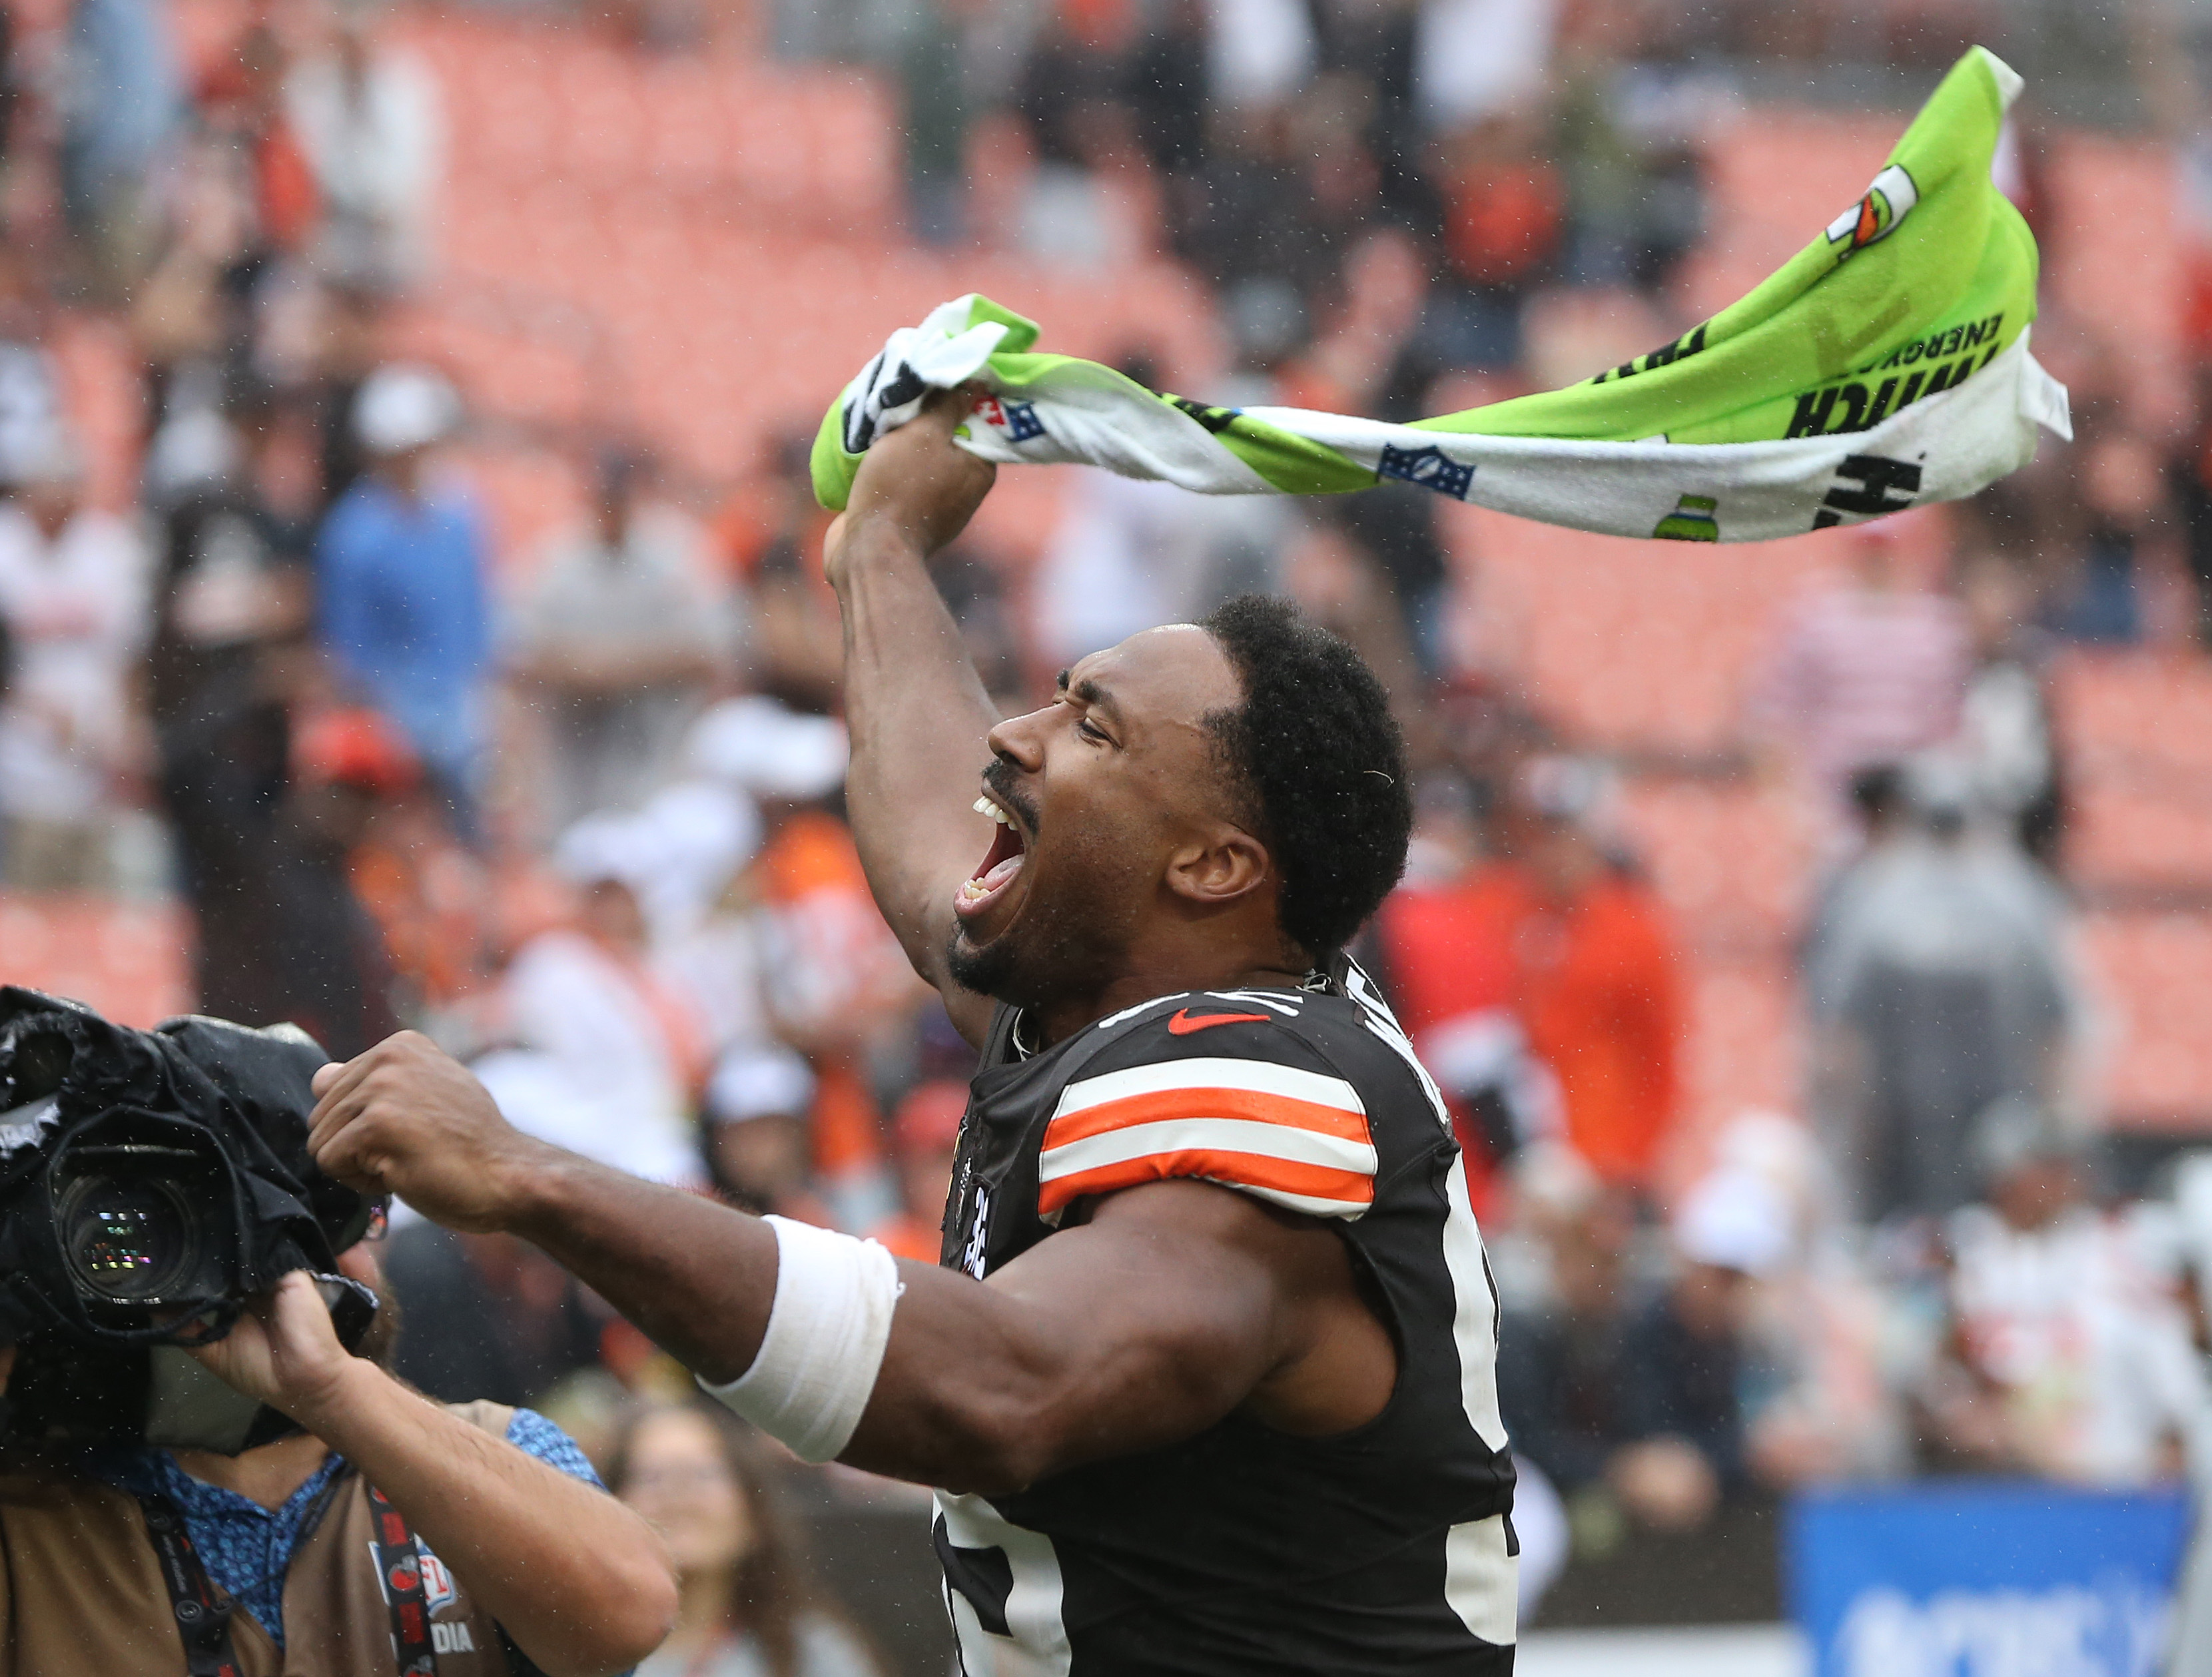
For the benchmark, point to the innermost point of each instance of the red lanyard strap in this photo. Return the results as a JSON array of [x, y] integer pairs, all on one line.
[[400, 1570], [202, 1612]]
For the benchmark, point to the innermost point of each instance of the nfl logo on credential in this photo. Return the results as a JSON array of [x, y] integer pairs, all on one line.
[[437, 1592]]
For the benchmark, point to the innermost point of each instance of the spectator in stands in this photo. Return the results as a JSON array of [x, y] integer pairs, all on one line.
[[311, 953], [2064, 1354], [1445, 949], [30, 398], [2008, 742], [1121, 557], [189, 313], [1942, 984], [1596, 978], [2103, 596], [1475, 60], [974, 588], [1166, 87], [795, 632], [619, 633], [73, 591], [759, 1152], [400, 563], [1867, 671], [1373, 360], [367, 119], [1881, 808], [926, 1134], [487, 1313], [1627, 154], [2188, 471], [936, 104], [695, 841], [747, 1608], [841, 992], [1817, 1344], [232, 601], [121, 105], [11, 76], [1566, 1311], [1258, 54], [1083, 139], [1504, 219], [1250, 214], [1682, 1357], [428, 895], [242, 99], [628, 1051]]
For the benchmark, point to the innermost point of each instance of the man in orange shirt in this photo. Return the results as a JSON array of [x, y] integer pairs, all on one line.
[[1560, 939]]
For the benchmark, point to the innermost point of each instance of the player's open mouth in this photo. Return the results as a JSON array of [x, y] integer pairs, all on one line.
[[1000, 868]]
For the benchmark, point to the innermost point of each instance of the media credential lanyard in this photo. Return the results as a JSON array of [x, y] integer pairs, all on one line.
[[204, 1611]]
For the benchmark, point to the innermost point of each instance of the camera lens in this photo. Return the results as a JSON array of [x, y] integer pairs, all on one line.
[[127, 1238]]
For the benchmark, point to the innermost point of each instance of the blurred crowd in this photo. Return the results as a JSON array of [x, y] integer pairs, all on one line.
[[577, 812]]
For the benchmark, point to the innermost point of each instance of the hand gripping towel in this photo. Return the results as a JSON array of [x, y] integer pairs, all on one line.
[[1886, 366]]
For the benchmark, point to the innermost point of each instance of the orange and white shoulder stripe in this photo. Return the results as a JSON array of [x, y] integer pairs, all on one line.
[[1296, 1137]]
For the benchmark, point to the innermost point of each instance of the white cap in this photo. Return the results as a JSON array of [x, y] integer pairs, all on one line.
[[51, 457], [402, 407], [759, 1082], [193, 449], [612, 845], [678, 852], [1733, 1219], [541, 1095], [771, 750]]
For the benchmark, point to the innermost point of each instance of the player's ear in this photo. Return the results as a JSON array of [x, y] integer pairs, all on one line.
[[1218, 867]]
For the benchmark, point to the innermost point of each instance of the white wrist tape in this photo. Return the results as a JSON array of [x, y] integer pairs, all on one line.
[[824, 1345]]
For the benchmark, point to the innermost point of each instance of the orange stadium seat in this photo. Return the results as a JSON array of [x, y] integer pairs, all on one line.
[[130, 962], [1633, 645], [1744, 1048], [1776, 176], [2110, 252], [1733, 861], [2136, 731], [2153, 971]]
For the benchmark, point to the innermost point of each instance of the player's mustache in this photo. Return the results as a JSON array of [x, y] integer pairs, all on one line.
[[998, 780]]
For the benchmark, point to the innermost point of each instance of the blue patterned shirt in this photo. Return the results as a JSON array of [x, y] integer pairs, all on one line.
[[247, 1549]]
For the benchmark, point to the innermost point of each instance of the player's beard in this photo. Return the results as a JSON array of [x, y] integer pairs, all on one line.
[[1067, 942]]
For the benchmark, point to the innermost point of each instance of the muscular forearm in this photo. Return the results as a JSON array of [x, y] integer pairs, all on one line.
[[919, 717], [698, 1277], [984, 1386], [574, 1578]]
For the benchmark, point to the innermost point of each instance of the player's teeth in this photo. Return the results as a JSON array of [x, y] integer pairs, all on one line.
[[983, 807]]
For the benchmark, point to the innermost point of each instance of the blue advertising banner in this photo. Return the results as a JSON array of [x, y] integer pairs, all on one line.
[[1983, 1578]]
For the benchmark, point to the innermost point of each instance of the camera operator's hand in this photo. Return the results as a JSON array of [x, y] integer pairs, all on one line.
[[406, 1118], [284, 1351]]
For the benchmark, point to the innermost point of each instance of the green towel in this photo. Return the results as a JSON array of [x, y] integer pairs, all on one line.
[[1886, 366]]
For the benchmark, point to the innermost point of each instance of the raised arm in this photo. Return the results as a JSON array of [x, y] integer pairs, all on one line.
[[917, 712], [1175, 1304]]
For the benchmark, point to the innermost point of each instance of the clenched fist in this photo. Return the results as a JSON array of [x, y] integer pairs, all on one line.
[[914, 484], [408, 1119]]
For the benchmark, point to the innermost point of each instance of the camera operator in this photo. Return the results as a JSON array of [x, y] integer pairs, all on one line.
[[524, 1541], [388, 1532]]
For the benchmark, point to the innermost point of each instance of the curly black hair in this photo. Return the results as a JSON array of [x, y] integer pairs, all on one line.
[[1319, 764]]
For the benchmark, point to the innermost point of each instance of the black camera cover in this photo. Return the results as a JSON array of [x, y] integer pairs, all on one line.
[[220, 1110]]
